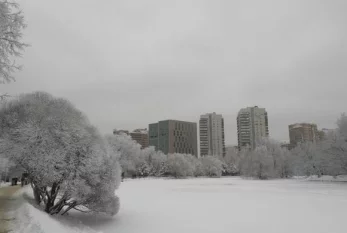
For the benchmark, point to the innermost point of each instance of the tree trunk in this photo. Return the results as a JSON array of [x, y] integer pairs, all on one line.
[[72, 205], [36, 192]]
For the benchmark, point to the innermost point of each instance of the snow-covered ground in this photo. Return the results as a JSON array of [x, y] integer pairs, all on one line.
[[29, 219], [4, 184], [216, 205]]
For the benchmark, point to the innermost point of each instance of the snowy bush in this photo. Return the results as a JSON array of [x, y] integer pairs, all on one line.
[[157, 162], [69, 164], [179, 166], [212, 166]]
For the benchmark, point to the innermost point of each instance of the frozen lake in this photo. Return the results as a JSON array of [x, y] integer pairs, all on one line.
[[228, 205]]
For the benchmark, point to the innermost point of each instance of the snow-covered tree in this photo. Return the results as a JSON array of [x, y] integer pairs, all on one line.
[[156, 161], [212, 166], [199, 168], [69, 164], [262, 163], [128, 153], [230, 162], [180, 166], [11, 26], [306, 159], [338, 149], [267, 160], [5, 165]]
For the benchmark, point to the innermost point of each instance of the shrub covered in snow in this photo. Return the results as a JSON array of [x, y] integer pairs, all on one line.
[[69, 164], [212, 166], [179, 165]]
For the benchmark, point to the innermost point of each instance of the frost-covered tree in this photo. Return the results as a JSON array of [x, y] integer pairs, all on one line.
[[179, 166], [306, 159], [156, 161], [230, 162], [262, 163], [338, 148], [212, 166], [137, 162], [70, 165], [128, 153], [11, 45], [5, 165], [267, 160]]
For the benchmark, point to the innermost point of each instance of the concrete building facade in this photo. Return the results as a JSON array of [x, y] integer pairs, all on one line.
[[172, 136], [252, 126], [212, 139], [303, 132]]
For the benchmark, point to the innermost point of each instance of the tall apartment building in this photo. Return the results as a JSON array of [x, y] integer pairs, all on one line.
[[212, 141], [171, 136], [138, 135], [252, 126], [303, 132]]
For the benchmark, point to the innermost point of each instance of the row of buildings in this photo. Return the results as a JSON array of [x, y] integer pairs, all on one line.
[[173, 136]]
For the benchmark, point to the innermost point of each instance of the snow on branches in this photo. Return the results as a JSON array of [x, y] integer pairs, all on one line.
[[69, 164], [11, 26], [137, 162]]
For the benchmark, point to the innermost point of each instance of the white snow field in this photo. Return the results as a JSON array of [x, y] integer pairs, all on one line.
[[218, 205]]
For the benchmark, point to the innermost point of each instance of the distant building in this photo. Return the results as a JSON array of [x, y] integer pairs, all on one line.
[[231, 149], [212, 141], [286, 145], [120, 131], [171, 136], [141, 136], [138, 135], [303, 132], [252, 126], [327, 133]]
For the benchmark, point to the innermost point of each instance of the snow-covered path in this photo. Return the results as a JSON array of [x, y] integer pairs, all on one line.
[[227, 205]]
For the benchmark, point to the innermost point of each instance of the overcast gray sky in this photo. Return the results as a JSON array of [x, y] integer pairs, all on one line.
[[127, 63]]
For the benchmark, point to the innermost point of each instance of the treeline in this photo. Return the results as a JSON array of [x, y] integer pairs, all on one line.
[[268, 161], [325, 157], [137, 162]]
